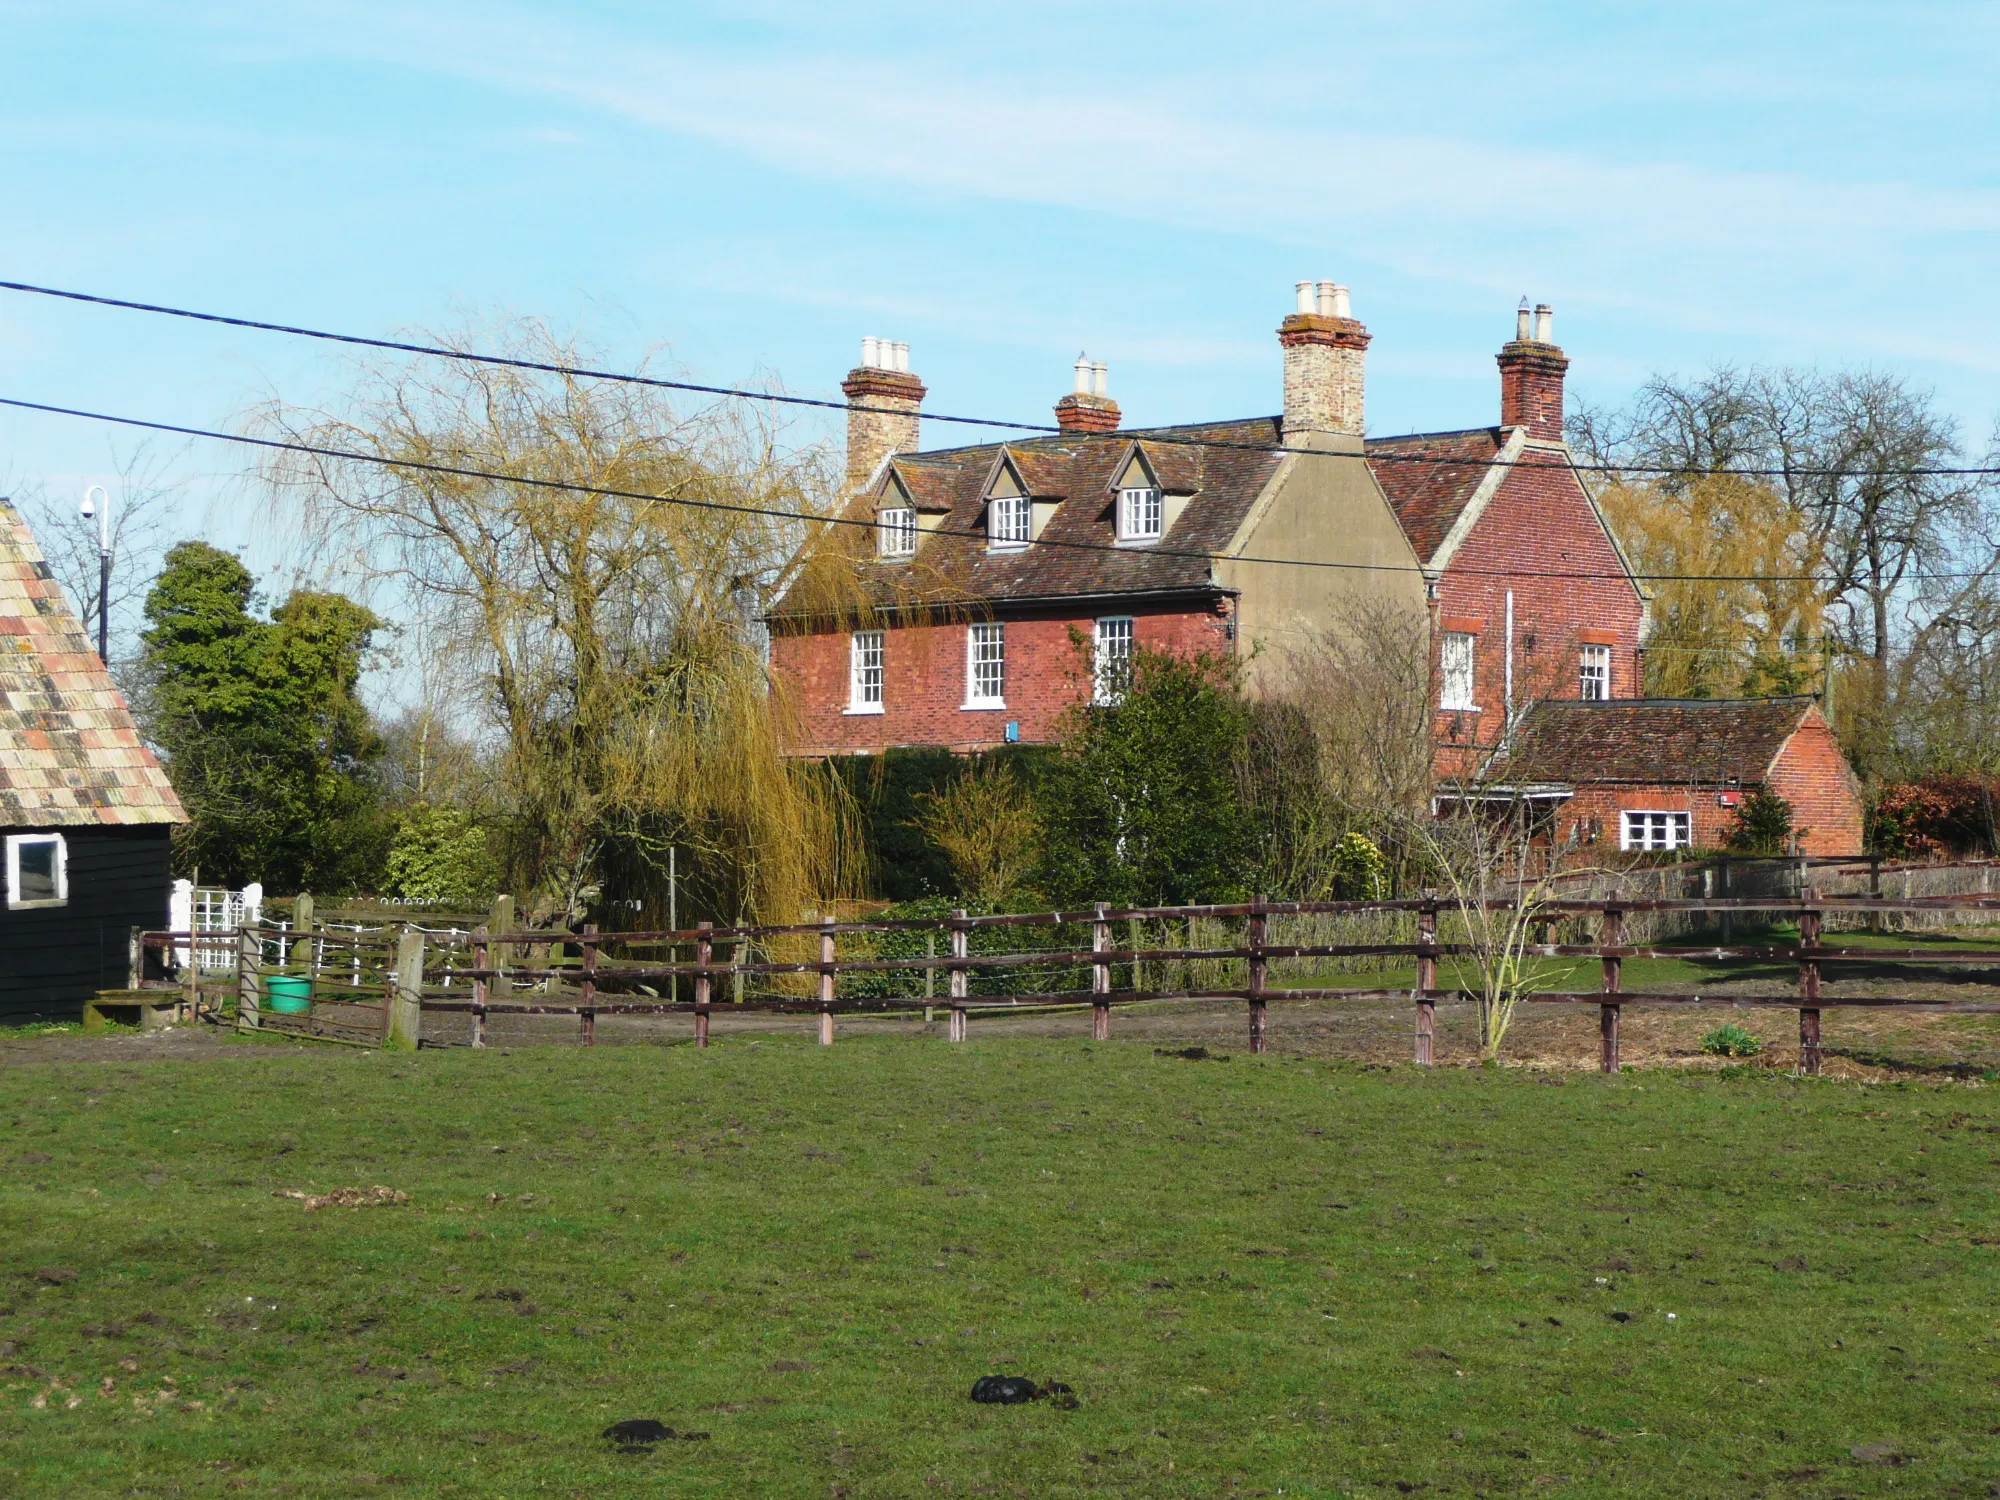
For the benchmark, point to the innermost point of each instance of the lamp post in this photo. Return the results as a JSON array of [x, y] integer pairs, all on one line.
[[101, 510]]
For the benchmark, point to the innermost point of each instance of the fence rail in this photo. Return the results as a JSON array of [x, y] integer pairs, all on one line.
[[377, 987]]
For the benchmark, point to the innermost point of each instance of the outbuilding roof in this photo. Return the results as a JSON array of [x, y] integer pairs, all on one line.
[[1656, 741], [70, 753]]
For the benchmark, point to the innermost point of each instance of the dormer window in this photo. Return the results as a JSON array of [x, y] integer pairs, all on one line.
[[1141, 513], [896, 532], [1008, 521]]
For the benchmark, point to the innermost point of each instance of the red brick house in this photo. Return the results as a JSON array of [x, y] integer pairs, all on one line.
[[1246, 537], [1654, 773]]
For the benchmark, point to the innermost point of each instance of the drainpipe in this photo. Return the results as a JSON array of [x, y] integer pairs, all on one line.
[[1507, 721]]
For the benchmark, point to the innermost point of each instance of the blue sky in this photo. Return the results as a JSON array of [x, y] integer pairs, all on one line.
[[753, 186]]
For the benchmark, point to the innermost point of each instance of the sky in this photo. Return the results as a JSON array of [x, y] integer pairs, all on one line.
[[743, 190]]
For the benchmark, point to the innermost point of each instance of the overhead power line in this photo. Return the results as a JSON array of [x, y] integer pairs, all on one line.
[[318, 450], [440, 351]]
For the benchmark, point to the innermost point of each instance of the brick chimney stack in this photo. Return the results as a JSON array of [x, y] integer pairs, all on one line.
[[1325, 364], [1531, 375], [883, 402], [1087, 408]]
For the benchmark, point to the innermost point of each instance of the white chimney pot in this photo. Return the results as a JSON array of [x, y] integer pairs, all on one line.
[[1523, 327], [870, 353], [1100, 377], [1305, 291], [1545, 324], [1342, 308]]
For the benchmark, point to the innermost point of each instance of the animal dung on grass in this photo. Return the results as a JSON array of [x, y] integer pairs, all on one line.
[[643, 1432], [1192, 1054], [1016, 1390], [346, 1197]]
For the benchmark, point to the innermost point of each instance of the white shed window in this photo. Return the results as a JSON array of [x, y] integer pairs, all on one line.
[[1455, 671], [1594, 674], [986, 666], [1654, 830], [37, 869], [897, 532], [1007, 521], [864, 672], [1111, 665], [1140, 515]]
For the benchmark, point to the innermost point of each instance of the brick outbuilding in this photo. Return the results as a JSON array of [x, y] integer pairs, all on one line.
[[1665, 773]]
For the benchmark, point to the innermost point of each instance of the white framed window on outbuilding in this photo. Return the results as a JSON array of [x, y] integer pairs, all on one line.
[[37, 870], [1654, 830]]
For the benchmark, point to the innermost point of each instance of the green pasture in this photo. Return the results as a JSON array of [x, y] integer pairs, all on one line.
[[1260, 1276]]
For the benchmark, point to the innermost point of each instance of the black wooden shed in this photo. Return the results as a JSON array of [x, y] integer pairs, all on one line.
[[86, 813]]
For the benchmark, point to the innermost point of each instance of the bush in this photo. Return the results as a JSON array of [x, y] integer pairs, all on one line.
[[1731, 1040], [908, 984], [440, 857], [1360, 873], [1763, 825], [1942, 814]]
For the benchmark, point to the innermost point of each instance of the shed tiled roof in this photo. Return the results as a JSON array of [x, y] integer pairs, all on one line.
[[1221, 467], [1428, 498], [70, 753], [1663, 741]]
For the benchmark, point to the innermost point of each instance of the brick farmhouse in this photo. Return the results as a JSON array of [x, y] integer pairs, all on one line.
[[1005, 581]]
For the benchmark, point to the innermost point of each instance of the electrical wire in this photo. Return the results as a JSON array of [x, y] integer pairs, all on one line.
[[439, 351], [349, 455]]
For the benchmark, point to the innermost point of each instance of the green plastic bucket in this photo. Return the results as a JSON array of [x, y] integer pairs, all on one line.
[[289, 994]]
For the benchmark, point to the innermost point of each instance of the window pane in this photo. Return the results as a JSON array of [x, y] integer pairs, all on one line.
[[1455, 670], [986, 676], [865, 669], [1594, 676], [38, 870], [1140, 512], [1009, 520], [1113, 662], [898, 532]]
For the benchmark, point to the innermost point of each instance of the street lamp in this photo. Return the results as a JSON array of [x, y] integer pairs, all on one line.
[[101, 510]]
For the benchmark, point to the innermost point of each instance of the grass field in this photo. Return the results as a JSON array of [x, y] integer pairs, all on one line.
[[1261, 1276]]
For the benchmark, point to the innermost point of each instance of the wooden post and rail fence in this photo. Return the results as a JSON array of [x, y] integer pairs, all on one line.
[[382, 988]]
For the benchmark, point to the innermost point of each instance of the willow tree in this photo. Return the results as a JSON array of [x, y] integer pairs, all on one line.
[[608, 593], [1736, 570]]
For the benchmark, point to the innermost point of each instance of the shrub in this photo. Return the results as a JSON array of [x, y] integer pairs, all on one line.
[[1360, 873], [1763, 825], [1731, 1040], [1941, 814], [440, 857]]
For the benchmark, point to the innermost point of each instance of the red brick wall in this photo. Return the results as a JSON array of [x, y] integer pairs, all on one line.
[[1814, 777], [1598, 809], [1540, 521], [924, 685]]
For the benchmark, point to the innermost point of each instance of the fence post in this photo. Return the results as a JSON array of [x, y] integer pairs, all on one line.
[[587, 990], [1138, 969], [1610, 935], [1427, 979], [1100, 977], [249, 961], [501, 920], [955, 1031], [1809, 936], [1258, 1011], [826, 978], [704, 955], [930, 975], [1728, 921], [406, 992], [480, 956]]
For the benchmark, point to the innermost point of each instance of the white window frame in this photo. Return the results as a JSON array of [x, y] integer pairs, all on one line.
[[1111, 658], [1010, 521], [15, 843], [1593, 674], [1648, 828], [896, 532], [1457, 679], [1142, 514], [867, 651], [986, 665]]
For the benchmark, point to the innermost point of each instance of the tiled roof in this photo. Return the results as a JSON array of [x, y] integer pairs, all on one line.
[[1668, 741], [69, 752], [1428, 498], [1221, 483]]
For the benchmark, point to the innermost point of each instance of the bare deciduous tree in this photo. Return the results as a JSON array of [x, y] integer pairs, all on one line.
[[987, 826]]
